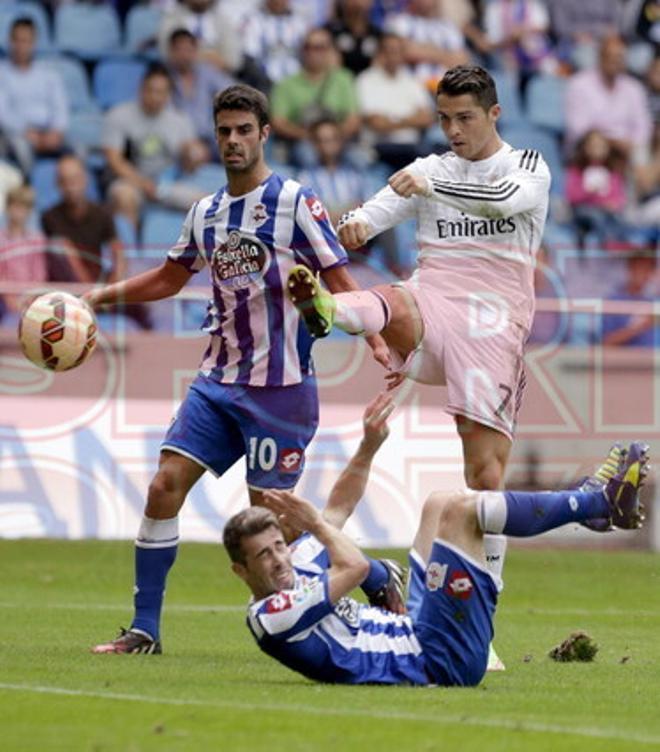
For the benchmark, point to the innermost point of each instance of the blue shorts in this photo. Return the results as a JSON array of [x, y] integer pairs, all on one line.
[[452, 604], [217, 424]]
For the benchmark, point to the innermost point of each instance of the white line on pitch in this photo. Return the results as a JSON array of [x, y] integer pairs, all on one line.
[[121, 607], [210, 608], [463, 720]]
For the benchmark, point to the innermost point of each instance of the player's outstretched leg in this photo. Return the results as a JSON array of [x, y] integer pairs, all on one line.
[[316, 305], [524, 514], [362, 312]]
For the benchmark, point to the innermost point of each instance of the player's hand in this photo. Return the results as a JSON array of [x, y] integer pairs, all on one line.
[[380, 350], [293, 511], [406, 184], [88, 298], [394, 379], [374, 421], [353, 234]]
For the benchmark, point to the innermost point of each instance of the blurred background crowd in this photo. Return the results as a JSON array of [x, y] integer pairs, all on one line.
[[106, 132]]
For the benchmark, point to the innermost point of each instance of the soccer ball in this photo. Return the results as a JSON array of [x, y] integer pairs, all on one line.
[[57, 331]]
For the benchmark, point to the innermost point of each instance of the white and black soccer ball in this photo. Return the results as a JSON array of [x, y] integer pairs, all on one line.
[[57, 331]]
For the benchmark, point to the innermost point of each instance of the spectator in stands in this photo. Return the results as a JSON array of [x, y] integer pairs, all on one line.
[[34, 111], [645, 214], [10, 178], [653, 88], [320, 89], [394, 105], [341, 185], [579, 26], [596, 189], [274, 36], [22, 250], [641, 21], [636, 329], [433, 43], [608, 99], [148, 144], [356, 37], [194, 84], [215, 25], [79, 230], [517, 32]]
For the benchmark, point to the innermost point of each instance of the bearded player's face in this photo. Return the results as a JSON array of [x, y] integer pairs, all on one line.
[[240, 140], [469, 128]]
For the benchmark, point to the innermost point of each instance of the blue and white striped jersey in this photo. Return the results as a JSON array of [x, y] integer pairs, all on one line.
[[250, 243], [274, 40], [346, 642]]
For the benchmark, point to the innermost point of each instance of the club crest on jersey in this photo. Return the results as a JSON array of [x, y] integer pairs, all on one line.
[[435, 576], [258, 215], [240, 261], [277, 603], [316, 208], [290, 460], [460, 585]]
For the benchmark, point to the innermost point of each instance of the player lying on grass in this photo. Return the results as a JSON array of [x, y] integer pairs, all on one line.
[[300, 612]]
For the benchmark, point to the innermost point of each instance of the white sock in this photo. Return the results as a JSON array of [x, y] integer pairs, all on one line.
[[363, 312], [491, 511], [495, 548], [158, 533]]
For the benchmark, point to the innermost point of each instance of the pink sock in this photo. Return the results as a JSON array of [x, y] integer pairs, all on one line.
[[363, 312]]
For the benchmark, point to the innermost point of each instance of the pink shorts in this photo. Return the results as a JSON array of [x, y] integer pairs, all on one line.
[[471, 345]]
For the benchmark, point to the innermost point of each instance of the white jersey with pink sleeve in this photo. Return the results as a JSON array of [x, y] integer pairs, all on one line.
[[480, 225]]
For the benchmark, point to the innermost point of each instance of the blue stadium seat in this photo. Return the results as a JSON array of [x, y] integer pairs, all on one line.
[[208, 177], [117, 80], [84, 137], [545, 102], [536, 138], [89, 31], [76, 83], [43, 180], [160, 229], [508, 95], [9, 11], [141, 30]]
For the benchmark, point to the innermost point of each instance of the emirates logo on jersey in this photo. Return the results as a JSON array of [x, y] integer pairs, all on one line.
[[240, 261]]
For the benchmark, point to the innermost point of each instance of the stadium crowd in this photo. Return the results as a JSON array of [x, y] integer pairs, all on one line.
[[106, 124]]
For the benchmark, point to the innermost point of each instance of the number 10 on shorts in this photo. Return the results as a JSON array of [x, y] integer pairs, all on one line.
[[262, 453]]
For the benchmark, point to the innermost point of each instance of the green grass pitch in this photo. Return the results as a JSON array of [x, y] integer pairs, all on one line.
[[213, 690]]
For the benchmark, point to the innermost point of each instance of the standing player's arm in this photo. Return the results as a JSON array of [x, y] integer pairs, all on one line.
[[118, 270], [517, 192], [348, 565], [155, 284], [349, 487]]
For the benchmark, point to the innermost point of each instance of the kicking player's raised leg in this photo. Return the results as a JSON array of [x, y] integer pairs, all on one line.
[[155, 552], [385, 308]]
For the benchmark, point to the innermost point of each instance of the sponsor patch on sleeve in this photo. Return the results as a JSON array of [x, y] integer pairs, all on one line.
[[316, 208], [278, 603]]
